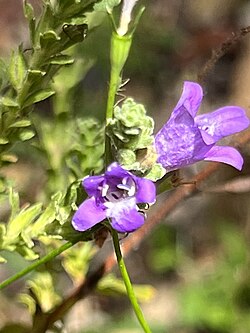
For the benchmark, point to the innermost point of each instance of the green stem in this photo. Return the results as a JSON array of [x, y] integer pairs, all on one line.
[[36, 264], [113, 85], [128, 285]]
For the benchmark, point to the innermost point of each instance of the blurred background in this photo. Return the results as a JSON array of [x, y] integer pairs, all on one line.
[[197, 259]]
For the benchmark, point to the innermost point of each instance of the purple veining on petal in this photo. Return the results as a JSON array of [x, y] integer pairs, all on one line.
[[114, 195], [179, 142]]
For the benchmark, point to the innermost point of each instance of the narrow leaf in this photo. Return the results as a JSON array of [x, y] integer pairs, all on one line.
[[48, 39], [26, 135], [14, 203], [21, 123], [28, 10], [7, 101], [21, 221], [46, 218], [61, 59], [11, 158], [38, 96], [3, 141], [30, 16], [17, 69]]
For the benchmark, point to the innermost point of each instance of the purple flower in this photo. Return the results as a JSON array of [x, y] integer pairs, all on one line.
[[114, 195], [187, 138]]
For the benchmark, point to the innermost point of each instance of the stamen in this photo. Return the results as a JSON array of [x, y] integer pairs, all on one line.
[[105, 188]]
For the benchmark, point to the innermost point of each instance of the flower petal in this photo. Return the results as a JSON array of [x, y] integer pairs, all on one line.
[[124, 215], [91, 184], [87, 215], [228, 155], [222, 122], [179, 142], [146, 191], [191, 97], [128, 222], [115, 173]]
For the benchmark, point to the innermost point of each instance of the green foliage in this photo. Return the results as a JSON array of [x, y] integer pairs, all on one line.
[[79, 155], [106, 5], [131, 127], [112, 286], [76, 261], [214, 299], [35, 223], [26, 80], [42, 293], [131, 133]]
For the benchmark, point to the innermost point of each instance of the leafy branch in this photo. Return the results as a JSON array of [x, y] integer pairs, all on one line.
[[28, 76]]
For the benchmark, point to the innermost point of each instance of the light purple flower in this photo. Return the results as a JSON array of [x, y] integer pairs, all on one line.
[[114, 195], [187, 138]]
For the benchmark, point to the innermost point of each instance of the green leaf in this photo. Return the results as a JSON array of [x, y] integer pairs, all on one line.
[[42, 286], [2, 233], [21, 123], [157, 172], [29, 302], [26, 135], [21, 221], [48, 39], [2, 261], [61, 59], [7, 101], [14, 203], [30, 16], [3, 141], [47, 217], [17, 69], [3, 73], [28, 10], [10, 158], [38, 96], [131, 126], [35, 74], [110, 285], [76, 260], [26, 252]]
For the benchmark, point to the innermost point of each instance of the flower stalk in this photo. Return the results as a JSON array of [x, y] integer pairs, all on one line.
[[128, 285]]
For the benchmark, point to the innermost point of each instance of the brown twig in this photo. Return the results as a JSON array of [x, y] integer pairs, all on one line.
[[220, 52], [180, 194]]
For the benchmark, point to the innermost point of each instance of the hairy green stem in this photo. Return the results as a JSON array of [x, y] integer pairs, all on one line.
[[36, 264], [128, 285]]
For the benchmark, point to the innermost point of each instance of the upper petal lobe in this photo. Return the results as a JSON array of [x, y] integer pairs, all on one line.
[[191, 97], [91, 184]]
